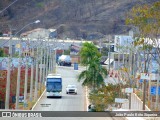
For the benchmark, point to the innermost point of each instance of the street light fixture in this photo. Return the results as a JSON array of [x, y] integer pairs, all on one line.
[[37, 21], [8, 72]]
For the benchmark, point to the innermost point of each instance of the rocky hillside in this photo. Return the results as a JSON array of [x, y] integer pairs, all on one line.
[[87, 19]]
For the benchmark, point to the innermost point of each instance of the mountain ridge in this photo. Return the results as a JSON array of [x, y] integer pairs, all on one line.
[[76, 19]]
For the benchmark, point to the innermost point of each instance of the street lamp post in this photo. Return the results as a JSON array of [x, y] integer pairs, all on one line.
[[36, 81], [109, 38], [32, 74], [26, 80], [44, 63], [47, 50], [18, 77], [41, 55]]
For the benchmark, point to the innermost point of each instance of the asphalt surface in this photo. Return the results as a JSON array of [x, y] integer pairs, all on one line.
[[68, 102]]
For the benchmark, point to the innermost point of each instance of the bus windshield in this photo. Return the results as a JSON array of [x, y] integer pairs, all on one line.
[[54, 86]]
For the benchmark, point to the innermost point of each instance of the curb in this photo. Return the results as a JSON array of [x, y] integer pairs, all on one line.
[[87, 102], [38, 99]]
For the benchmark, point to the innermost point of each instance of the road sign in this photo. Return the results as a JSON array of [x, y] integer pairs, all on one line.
[[145, 76], [121, 100], [153, 90], [154, 76], [151, 76], [128, 90]]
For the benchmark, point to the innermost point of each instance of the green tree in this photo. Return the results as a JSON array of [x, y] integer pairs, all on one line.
[[88, 52], [147, 19], [93, 76], [67, 52], [104, 97], [2, 54]]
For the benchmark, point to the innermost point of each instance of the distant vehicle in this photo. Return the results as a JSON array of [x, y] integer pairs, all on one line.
[[64, 60], [54, 85], [71, 89], [91, 108], [103, 59]]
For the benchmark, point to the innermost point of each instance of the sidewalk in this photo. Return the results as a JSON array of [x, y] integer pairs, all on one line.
[[137, 103]]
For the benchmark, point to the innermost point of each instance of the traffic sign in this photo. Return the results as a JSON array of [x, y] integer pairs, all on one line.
[[121, 100], [145, 76], [153, 90], [128, 90], [151, 76]]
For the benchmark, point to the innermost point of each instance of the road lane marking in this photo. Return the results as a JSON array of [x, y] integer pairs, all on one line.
[[38, 99]]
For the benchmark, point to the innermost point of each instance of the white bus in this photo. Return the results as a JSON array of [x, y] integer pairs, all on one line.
[[54, 85]]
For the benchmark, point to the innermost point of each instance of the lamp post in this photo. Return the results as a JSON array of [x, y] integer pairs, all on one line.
[[18, 77], [36, 81], [40, 77], [109, 54]]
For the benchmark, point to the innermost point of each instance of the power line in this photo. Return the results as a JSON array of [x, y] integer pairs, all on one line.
[[8, 6]]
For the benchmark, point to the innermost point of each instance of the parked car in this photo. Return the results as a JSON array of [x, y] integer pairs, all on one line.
[[71, 89]]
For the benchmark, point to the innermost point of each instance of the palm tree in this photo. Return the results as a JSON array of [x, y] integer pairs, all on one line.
[[88, 52], [93, 76]]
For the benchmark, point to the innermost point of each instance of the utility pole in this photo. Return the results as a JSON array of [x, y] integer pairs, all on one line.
[[32, 75], [109, 54], [49, 60], [8, 76], [40, 78], [18, 76], [144, 83], [157, 91], [26, 82], [44, 63], [36, 81], [47, 50], [130, 64]]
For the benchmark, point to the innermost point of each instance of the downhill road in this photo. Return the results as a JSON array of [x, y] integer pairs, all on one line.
[[68, 102]]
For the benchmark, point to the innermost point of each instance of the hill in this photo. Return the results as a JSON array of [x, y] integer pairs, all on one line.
[[78, 19]]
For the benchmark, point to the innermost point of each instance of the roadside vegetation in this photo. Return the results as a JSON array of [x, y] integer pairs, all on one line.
[[102, 96], [147, 19], [2, 53], [93, 77]]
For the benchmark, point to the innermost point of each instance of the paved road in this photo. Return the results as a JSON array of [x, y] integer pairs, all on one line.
[[68, 102]]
